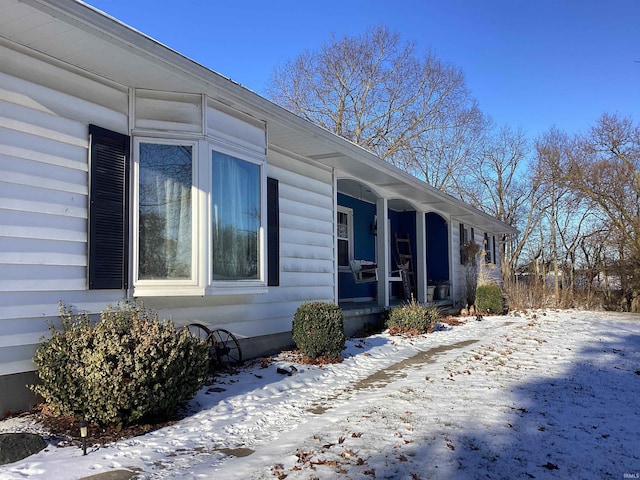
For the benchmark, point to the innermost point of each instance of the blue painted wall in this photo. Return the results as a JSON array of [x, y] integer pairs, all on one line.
[[437, 249], [402, 224], [364, 248]]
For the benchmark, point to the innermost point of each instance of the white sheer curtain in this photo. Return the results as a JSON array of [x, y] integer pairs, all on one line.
[[235, 218], [165, 211]]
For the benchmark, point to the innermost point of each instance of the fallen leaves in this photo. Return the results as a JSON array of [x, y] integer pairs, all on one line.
[[277, 471], [348, 453], [304, 457], [325, 457]]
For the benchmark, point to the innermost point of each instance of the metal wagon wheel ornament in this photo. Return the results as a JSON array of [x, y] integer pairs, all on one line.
[[199, 331], [224, 349]]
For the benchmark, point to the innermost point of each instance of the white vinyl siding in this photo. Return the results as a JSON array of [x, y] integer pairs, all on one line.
[[229, 127], [166, 111], [43, 198]]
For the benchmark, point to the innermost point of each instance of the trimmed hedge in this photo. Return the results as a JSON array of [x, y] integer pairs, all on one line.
[[318, 330], [127, 366], [413, 317], [489, 299]]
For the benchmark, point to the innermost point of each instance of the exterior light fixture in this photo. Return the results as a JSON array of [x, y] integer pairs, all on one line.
[[83, 435]]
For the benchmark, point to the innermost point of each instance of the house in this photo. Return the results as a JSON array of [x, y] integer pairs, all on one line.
[[130, 171]]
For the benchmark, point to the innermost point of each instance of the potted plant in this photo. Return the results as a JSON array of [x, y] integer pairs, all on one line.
[[430, 292], [441, 290]]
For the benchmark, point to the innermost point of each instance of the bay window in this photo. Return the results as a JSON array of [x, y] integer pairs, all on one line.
[[201, 212]]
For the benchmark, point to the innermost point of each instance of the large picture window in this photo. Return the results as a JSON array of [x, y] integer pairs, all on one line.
[[165, 174], [236, 218]]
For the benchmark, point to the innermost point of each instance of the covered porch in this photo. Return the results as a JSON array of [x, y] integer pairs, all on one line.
[[389, 251]]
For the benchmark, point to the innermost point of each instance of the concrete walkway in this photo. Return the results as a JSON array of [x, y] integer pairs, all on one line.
[[113, 475]]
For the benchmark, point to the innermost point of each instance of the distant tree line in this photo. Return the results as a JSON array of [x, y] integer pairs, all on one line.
[[574, 198]]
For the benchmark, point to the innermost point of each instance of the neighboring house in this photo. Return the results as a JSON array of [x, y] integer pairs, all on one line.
[[129, 171]]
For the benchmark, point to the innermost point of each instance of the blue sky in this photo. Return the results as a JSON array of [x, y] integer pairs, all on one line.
[[530, 64]]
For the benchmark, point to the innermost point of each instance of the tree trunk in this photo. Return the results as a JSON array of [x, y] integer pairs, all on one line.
[[635, 302]]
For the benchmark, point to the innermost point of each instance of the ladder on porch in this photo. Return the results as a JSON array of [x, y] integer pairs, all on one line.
[[404, 258]]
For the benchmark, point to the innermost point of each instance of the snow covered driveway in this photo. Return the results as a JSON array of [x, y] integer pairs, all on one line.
[[543, 395]]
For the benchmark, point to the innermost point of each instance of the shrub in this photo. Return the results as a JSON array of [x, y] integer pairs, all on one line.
[[489, 299], [318, 330], [127, 366], [413, 317]]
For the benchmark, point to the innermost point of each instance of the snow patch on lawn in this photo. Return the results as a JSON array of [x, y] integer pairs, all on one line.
[[550, 394]]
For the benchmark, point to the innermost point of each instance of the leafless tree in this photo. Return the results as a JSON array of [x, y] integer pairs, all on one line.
[[552, 150], [375, 90], [606, 169], [500, 185]]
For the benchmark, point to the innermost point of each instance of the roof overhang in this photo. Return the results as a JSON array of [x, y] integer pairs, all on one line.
[[81, 36]]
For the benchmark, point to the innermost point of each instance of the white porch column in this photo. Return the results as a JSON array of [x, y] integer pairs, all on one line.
[[421, 256], [382, 249]]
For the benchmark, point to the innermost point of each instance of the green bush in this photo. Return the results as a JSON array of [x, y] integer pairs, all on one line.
[[413, 317], [126, 367], [318, 330], [489, 299]]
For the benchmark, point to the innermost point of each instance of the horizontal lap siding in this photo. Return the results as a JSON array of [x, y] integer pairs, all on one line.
[[25, 318], [306, 226], [43, 198]]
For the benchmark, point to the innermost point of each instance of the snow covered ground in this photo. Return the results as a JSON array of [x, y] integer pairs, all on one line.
[[547, 394]]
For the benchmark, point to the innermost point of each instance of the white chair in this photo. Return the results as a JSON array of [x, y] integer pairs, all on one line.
[[364, 271]]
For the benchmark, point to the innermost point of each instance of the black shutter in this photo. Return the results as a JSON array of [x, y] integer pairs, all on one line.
[[463, 240], [487, 248], [495, 258], [108, 209], [273, 233]]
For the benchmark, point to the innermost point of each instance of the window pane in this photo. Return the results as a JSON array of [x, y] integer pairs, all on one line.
[[343, 253], [343, 225], [165, 211], [344, 234], [236, 217]]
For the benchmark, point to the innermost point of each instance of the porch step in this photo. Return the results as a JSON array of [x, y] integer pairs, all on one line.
[[358, 318]]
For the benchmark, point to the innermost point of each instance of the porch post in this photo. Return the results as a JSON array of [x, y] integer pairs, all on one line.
[[382, 249], [421, 256]]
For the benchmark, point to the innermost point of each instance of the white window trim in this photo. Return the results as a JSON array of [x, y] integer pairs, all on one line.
[[201, 282], [193, 285], [349, 212], [258, 285]]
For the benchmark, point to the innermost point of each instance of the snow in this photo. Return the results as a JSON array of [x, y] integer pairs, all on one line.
[[544, 394]]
